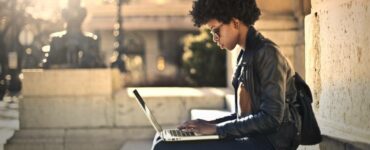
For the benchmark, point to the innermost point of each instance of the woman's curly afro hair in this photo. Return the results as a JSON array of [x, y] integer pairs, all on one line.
[[224, 10]]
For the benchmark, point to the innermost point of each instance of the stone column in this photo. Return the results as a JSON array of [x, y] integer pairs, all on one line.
[[338, 71]]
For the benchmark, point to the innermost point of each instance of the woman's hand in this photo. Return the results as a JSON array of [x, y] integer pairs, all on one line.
[[199, 126]]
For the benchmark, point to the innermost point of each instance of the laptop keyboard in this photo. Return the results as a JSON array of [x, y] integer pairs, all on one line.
[[181, 133]]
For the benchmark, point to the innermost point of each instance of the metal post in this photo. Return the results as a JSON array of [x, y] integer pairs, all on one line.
[[118, 33]]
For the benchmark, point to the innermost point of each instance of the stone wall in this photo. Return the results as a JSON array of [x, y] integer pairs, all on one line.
[[171, 106], [282, 22], [337, 67]]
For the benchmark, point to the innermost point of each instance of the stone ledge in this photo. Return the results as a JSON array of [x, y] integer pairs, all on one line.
[[177, 92], [122, 110], [343, 132], [335, 144], [170, 106], [208, 114], [230, 102]]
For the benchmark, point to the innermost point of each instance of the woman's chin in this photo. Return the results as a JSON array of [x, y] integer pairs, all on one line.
[[222, 47], [227, 48]]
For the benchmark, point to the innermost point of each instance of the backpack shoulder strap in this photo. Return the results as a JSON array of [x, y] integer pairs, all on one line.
[[302, 86]]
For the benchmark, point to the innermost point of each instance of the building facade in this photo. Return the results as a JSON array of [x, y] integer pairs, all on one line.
[[154, 28]]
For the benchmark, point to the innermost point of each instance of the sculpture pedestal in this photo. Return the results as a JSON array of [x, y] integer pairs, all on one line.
[[68, 98], [70, 82]]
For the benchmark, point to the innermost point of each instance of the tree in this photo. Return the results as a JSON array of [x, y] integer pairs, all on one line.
[[203, 61], [14, 16]]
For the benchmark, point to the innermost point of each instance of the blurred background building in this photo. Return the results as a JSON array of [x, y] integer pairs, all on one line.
[[153, 36], [153, 32], [326, 41]]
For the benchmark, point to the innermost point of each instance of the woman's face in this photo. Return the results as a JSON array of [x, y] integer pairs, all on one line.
[[225, 35]]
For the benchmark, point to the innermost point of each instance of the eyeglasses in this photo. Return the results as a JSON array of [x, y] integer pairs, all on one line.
[[216, 31]]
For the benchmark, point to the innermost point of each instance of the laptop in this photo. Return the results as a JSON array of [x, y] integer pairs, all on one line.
[[170, 134]]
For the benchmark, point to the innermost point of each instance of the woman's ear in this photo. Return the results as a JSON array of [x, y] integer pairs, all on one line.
[[236, 23]]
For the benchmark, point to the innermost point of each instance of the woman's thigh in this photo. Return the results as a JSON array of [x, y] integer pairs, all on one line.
[[248, 144]]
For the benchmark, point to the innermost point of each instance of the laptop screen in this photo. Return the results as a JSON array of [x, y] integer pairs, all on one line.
[[147, 112]]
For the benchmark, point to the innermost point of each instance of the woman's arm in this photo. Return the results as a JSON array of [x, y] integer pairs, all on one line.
[[223, 119]]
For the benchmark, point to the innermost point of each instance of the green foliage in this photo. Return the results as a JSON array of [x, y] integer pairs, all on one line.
[[203, 61]]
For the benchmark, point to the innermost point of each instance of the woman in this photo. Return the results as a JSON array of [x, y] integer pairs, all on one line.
[[263, 83]]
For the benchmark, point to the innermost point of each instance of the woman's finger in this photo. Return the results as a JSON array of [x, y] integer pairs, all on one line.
[[187, 125]]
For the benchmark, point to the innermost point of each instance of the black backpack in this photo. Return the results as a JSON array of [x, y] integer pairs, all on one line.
[[310, 131]]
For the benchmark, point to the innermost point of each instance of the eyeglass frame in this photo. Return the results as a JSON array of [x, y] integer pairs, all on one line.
[[216, 31]]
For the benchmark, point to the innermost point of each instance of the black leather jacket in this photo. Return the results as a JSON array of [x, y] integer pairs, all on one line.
[[269, 79]]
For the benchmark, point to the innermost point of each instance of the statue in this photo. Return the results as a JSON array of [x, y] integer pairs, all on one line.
[[3, 64], [73, 48]]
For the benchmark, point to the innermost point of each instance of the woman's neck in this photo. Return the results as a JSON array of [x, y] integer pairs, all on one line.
[[243, 32]]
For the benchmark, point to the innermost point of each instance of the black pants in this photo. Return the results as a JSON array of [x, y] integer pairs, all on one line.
[[245, 144]]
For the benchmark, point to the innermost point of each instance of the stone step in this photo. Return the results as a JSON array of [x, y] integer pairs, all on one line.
[[137, 145], [9, 121], [5, 134], [77, 139]]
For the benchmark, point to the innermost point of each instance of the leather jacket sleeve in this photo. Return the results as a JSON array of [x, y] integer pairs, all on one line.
[[269, 69], [225, 118]]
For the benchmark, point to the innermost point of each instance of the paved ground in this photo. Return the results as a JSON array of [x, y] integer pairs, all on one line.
[[137, 145], [9, 119], [9, 113]]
